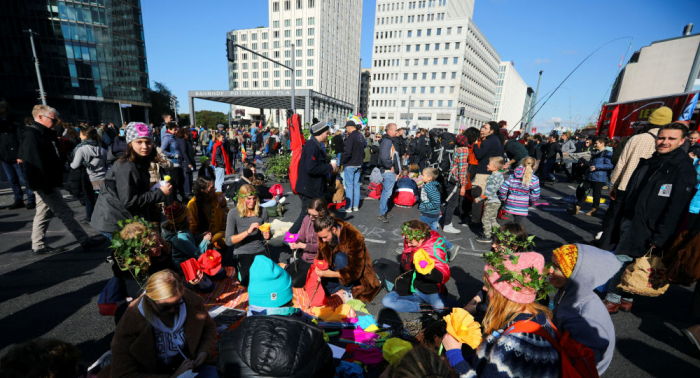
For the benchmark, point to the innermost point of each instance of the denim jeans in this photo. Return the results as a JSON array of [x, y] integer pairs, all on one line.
[[352, 186], [16, 176], [219, 174], [411, 303], [388, 180], [332, 285], [433, 223]]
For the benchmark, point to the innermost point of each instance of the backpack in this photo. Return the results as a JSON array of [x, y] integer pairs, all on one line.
[[110, 296], [577, 360], [443, 152]]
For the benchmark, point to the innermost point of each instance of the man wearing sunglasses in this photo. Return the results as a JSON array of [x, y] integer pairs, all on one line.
[[43, 173]]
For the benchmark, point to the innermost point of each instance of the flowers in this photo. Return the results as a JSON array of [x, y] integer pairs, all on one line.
[[461, 326], [265, 227], [422, 261]]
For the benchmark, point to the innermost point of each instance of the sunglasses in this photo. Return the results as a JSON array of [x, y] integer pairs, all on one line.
[[165, 308], [52, 119]]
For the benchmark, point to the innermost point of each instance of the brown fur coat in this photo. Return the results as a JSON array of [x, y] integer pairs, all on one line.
[[359, 266]]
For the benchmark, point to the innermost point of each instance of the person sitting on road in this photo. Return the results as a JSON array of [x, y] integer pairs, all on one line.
[[407, 192], [208, 210], [166, 332], [308, 240], [420, 285]]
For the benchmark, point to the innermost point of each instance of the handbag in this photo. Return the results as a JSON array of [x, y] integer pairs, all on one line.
[[645, 276], [683, 259], [298, 270]]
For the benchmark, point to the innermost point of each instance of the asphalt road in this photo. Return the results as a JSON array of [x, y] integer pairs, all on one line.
[[56, 295]]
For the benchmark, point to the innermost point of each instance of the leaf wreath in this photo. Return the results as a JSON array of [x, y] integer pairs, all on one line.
[[241, 195], [529, 277], [132, 254], [412, 234]]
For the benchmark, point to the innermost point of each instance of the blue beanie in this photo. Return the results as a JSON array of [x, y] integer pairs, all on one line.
[[270, 285]]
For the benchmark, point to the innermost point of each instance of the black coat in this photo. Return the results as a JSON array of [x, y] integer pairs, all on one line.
[[313, 169], [275, 346], [354, 152], [9, 140], [39, 153], [553, 149], [400, 145], [338, 144], [490, 147], [654, 214]]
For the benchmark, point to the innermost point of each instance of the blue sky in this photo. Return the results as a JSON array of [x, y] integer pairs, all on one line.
[[185, 43]]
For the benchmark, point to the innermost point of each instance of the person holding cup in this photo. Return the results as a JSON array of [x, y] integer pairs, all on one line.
[[243, 231]]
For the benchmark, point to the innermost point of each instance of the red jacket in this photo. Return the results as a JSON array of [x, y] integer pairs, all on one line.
[[435, 248]]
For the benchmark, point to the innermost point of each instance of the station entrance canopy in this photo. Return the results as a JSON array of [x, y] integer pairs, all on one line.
[[314, 104]]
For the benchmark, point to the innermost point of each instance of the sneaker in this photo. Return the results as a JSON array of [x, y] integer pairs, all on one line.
[[92, 243], [344, 210], [452, 252], [30, 206], [484, 239], [355, 209], [388, 216], [46, 249], [283, 199], [383, 218], [450, 229], [17, 205]]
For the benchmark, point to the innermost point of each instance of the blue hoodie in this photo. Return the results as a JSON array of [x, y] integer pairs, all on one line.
[[579, 310]]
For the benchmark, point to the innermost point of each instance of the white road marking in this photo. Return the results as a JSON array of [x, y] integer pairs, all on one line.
[[376, 241], [472, 243]]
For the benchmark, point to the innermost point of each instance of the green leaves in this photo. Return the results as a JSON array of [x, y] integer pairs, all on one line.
[[132, 254], [278, 165]]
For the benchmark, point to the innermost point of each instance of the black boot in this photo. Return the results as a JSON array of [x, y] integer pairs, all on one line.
[[17, 205]]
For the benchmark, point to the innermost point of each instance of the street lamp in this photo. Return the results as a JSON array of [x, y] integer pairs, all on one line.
[[42, 94]]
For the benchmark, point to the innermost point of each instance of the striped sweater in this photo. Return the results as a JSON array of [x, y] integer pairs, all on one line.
[[430, 199], [517, 197]]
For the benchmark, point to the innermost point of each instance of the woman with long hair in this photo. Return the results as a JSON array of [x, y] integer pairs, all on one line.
[[166, 332], [243, 233], [308, 240], [521, 190], [208, 210], [91, 157]]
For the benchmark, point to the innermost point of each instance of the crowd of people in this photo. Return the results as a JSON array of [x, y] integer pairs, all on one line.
[[143, 190]]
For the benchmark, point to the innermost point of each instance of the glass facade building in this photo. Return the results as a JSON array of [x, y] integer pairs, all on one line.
[[92, 56]]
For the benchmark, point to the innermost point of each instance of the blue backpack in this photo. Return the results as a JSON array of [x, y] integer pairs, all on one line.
[[110, 297]]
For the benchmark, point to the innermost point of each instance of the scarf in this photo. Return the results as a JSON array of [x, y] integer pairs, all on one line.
[[213, 157]]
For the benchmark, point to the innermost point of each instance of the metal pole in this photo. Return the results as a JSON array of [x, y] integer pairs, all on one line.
[[294, 109], [532, 107], [408, 114], [120, 112], [42, 94]]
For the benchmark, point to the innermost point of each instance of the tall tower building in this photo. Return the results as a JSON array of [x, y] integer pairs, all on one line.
[[511, 92], [365, 80], [92, 58], [326, 55], [431, 66]]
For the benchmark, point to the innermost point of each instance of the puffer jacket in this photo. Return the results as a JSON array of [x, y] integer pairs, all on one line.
[[602, 162], [406, 192], [436, 280], [275, 346], [518, 198]]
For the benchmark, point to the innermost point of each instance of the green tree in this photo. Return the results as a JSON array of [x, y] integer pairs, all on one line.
[[160, 101], [209, 119], [184, 119]]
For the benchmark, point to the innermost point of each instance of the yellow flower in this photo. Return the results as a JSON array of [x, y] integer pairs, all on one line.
[[461, 326], [422, 261]]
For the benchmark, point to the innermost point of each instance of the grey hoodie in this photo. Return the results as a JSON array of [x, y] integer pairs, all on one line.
[[96, 159], [578, 310]]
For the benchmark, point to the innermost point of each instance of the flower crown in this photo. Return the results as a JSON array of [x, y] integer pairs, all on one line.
[[413, 234], [241, 195], [527, 278]]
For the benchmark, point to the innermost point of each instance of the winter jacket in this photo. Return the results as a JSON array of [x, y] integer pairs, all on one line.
[[388, 156], [184, 246], [9, 140], [213, 221], [182, 150], [338, 144], [640, 146], [170, 148], [93, 158], [406, 192], [117, 150], [553, 149], [275, 346], [568, 146], [399, 145], [517, 197], [603, 165], [307, 235], [313, 169], [353, 154], [493, 185], [516, 151], [489, 147], [430, 199], [40, 159], [206, 171], [655, 212], [435, 281], [126, 186], [579, 310], [695, 202]]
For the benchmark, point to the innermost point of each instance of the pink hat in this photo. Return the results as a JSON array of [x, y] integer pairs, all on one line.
[[526, 260]]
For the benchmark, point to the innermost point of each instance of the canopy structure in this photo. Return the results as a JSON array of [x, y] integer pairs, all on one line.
[[312, 102]]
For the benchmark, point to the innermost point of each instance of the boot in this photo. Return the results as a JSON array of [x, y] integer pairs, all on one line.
[[574, 210], [17, 205]]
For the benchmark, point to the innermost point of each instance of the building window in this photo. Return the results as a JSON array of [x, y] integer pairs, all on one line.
[[432, 89], [415, 62], [245, 84], [435, 61], [277, 83], [434, 75], [310, 52], [449, 31], [298, 4], [454, 75], [439, 31], [409, 33], [275, 24], [459, 30], [417, 47], [427, 32], [404, 90], [276, 6], [406, 62], [427, 47], [452, 90], [430, 103], [418, 32], [413, 89], [311, 3], [299, 83], [287, 5], [299, 21], [439, 103], [310, 21], [309, 72], [415, 76], [310, 62], [408, 48], [264, 35], [311, 32], [243, 37], [287, 23], [422, 89], [455, 60]]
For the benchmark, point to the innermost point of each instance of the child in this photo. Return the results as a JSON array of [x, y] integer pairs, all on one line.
[[406, 190], [521, 190], [430, 205], [595, 177], [490, 197], [416, 175]]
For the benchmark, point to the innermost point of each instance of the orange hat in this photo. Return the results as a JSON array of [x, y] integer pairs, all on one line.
[[566, 257]]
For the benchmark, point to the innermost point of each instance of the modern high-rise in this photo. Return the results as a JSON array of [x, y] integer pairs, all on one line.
[[92, 57], [326, 55], [431, 66], [528, 110], [511, 92], [365, 80]]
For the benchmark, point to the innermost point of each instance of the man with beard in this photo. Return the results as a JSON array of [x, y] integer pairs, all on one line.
[[350, 272]]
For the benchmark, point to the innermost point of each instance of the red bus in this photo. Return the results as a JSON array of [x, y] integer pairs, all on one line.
[[623, 119]]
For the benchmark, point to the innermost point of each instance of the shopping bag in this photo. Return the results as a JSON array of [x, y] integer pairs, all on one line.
[[645, 276]]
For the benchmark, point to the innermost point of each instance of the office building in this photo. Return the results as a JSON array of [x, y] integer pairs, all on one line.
[[528, 110], [663, 68], [326, 55], [92, 58], [431, 66], [511, 92], [365, 80]]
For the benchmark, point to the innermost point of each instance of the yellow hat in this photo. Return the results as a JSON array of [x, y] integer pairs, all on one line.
[[566, 257], [661, 116]]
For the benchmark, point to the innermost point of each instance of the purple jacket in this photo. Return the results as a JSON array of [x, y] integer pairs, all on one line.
[[308, 235]]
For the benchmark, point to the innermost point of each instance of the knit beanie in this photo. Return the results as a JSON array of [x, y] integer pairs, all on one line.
[[661, 116], [203, 159], [566, 256], [524, 295], [270, 285], [319, 128], [136, 130], [176, 212]]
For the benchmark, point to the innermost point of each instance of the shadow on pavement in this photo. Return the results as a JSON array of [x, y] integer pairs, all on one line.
[[27, 246], [655, 361], [467, 285]]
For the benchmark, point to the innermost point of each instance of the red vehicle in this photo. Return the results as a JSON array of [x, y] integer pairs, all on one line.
[[623, 119]]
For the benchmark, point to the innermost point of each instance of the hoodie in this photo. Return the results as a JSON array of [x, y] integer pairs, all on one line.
[[518, 198], [578, 310], [93, 157]]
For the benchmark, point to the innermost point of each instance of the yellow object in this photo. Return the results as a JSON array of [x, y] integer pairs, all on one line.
[[461, 326], [325, 337], [394, 349], [422, 261], [566, 257], [589, 199], [166, 178], [327, 314], [372, 328], [265, 227]]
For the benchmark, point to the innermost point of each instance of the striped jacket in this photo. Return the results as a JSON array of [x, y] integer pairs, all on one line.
[[430, 199], [518, 198]]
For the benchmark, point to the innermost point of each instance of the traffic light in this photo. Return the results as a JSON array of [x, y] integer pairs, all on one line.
[[230, 51]]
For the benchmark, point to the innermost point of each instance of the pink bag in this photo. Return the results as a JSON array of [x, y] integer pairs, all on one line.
[[276, 190]]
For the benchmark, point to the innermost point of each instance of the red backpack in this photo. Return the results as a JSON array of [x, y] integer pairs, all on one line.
[[577, 360]]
